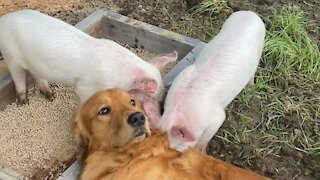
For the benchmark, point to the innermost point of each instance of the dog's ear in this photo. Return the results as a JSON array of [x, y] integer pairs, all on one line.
[[80, 134]]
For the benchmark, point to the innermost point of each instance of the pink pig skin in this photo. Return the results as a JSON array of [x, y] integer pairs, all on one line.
[[195, 105], [52, 50]]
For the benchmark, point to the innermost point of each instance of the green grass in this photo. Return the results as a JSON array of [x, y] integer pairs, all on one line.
[[291, 57], [211, 6], [289, 49]]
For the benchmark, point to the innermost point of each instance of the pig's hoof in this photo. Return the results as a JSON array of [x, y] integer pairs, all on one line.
[[250, 84], [48, 95], [23, 101]]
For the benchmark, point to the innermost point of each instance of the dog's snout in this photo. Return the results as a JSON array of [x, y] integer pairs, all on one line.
[[136, 119]]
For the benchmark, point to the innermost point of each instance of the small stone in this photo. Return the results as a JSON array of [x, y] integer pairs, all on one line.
[[316, 15], [307, 172], [297, 132]]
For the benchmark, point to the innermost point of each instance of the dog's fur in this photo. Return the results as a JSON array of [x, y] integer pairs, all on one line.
[[113, 152]]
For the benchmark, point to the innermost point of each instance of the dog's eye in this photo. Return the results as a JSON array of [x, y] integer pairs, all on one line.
[[133, 102], [104, 111]]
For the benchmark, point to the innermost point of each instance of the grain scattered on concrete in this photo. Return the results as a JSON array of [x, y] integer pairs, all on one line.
[[35, 134]]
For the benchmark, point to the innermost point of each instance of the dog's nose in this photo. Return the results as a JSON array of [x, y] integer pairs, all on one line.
[[136, 119]]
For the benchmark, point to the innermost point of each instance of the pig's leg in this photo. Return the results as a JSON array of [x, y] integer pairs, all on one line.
[[44, 88], [19, 76], [216, 121], [251, 82]]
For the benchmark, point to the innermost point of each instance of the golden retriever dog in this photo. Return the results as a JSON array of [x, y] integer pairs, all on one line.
[[117, 144]]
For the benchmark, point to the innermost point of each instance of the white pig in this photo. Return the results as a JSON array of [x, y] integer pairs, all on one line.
[[195, 105], [52, 50]]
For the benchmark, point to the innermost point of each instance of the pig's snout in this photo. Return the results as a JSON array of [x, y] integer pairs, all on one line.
[[183, 133], [180, 138]]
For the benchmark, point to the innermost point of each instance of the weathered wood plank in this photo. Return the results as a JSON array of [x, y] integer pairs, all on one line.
[[4, 176], [145, 36], [8, 174], [92, 24], [186, 61], [71, 173], [7, 91]]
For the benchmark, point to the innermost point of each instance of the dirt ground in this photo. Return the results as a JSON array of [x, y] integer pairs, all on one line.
[[242, 140]]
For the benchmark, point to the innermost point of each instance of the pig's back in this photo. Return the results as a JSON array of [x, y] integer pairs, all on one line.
[[228, 61], [242, 33], [34, 37], [34, 24]]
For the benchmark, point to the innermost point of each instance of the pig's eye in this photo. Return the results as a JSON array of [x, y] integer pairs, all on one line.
[[104, 111], [133, 102]]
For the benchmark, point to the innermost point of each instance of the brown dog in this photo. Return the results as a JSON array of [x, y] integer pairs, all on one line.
[[117, 144]]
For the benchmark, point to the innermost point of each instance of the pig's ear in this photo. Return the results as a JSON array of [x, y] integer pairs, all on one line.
[[183, 133], [150, 106], [152, 110], [145, 85], [161, 61]]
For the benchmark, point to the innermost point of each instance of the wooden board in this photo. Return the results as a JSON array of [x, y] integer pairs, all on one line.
[[145, 36], [71, 173], [3, 68], [185, 62], [7, 93], [8, 174], [7, 90], [92, 24]]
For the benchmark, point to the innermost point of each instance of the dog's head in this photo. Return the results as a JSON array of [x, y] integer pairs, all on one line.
[[110, 119]]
